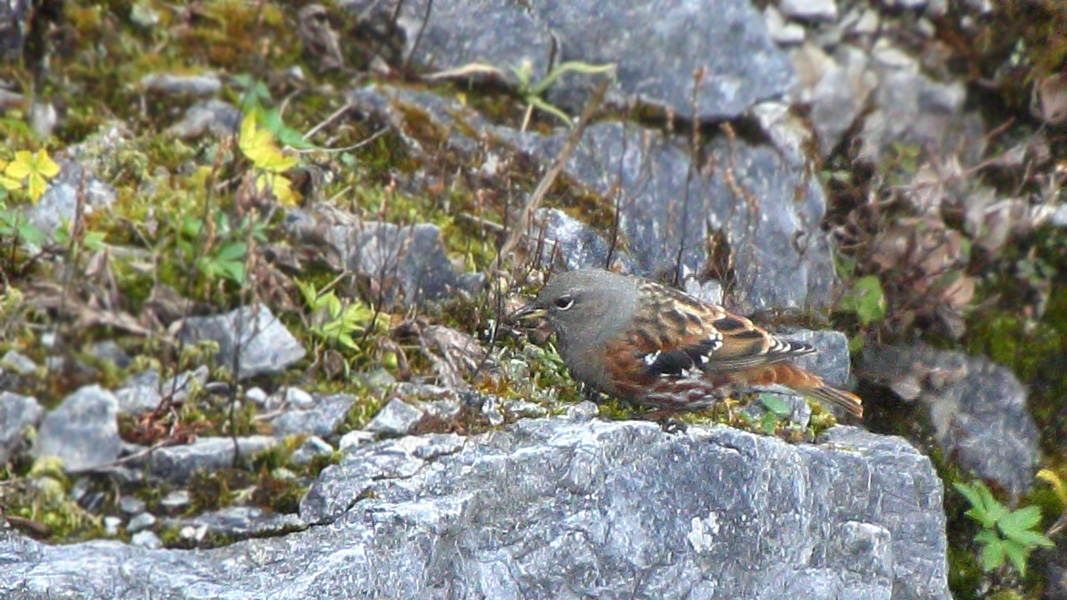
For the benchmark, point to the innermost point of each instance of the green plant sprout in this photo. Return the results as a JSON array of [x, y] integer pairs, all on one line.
[[866, 299], [531, 93], [14, 225], [225, 256], [1004, 534], [92, 240], [777, 410], [332, 321]]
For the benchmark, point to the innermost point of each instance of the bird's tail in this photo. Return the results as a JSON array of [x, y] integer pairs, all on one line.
[[801, 381]]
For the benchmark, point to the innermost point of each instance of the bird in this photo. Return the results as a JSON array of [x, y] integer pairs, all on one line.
[[657, 347]]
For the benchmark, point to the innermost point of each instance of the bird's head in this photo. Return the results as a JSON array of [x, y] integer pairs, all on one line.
[[578, 300]]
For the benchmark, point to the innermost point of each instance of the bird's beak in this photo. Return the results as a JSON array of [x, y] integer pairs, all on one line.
[[529, 312]]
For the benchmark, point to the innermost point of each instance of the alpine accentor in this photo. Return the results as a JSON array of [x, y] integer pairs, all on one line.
[[658, 347]]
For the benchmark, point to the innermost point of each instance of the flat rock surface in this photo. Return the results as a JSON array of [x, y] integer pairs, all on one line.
[[82, 431], [657, 48], [555, 508]]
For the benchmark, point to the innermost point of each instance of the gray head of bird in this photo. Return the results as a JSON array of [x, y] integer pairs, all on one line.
[[589, 304]]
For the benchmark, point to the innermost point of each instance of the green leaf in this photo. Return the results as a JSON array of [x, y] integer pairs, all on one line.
[[987, 536], [94, 240], [576, 66], [992, 555], [866, 299], [234, 271], [307, 290], [548, 108], [1030, 539], [993, 509], [769, 423], [977, 510], [775, 404], [232, 251], [1017, 554], [1020, 520]]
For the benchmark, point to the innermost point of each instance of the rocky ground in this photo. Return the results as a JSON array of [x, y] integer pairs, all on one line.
[[256, 260]]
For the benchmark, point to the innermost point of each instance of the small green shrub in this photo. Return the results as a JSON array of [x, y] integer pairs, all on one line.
[[1004, 534]]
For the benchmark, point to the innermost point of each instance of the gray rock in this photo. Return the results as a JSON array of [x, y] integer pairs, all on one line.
[[492, 411], [831, 361], [60, 201], [82, 431], [321, 419], [176, 501], [709, 291], [362, 466], [80, 488], [780, 31], [837, 88], [146, 539], [395, 418], [257, 396], [298, 398], [813, 10], [239, 522], [131, 505], [912, 109], [141, 522], [266, 347], [111, 525], [780, 257], [1059, 217], [582, 412], [442, 409], [9, 99], [18, 362], [657, 48], [109, 351], [551, 508], [354, 439], [177, 464], [521, 409], [574, 244], [142, 392], [977, 409], [194, 85], [17, 414], [14, 27], [215, 117], [907, 4], [404, 264], [312, 448]]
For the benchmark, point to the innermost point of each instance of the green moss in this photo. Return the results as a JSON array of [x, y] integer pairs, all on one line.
[[277, 456], [318, 463], [367, 404], [46, 503], [280, 495], [965, 574], [214, 490]]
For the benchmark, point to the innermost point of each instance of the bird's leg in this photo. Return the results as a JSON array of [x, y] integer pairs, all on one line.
[[590, 394], [668, 420]]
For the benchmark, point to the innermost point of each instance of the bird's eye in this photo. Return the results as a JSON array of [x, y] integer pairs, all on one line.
[[564, 303]]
